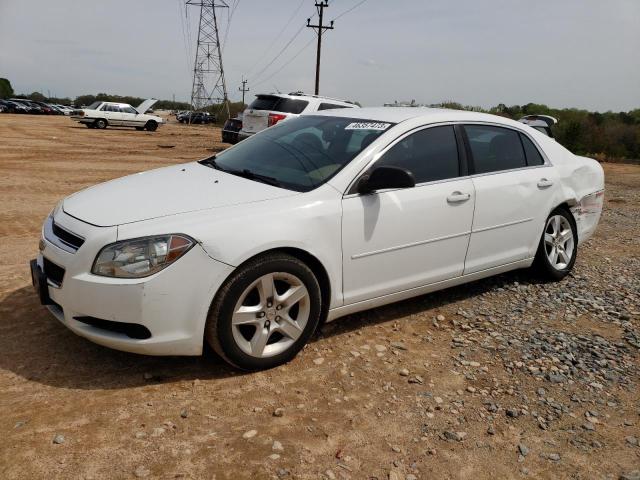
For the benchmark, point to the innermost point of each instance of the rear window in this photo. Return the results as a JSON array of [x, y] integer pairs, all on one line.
[[495, 149], [531, 152], [278, 104], [330, 106]]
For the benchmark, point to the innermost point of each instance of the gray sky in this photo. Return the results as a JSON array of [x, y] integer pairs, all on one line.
[[565, 53]]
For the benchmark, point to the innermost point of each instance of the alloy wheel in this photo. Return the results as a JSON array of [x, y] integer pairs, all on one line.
[[271, 314], [559, 242]]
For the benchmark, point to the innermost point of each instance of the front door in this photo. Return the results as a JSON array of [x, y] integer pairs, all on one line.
[[396, 240]]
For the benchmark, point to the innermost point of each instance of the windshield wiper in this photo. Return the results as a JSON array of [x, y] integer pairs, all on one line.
[[244, 173]]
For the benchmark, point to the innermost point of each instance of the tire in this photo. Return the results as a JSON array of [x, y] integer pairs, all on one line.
[[285, 328], [558, 246], [101, 123], [151, 126]]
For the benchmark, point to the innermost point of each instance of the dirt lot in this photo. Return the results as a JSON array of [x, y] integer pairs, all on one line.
[[503, 378]]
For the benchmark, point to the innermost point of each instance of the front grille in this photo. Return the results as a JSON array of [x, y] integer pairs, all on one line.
[[131, 330], [65, 236], [53, 272]]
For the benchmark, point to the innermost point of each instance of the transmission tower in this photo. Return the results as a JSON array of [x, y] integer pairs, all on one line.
[[209, 85]]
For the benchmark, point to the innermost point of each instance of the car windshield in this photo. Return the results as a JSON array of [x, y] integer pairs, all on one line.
[[278, 104], [299, 154]]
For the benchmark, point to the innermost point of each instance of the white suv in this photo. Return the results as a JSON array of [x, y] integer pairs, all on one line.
[[103, 114], [268, 109]]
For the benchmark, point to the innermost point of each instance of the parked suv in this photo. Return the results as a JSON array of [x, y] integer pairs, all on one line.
[[268, 109]]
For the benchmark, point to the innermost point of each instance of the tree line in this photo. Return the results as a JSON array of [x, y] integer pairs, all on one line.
[[610, 136]]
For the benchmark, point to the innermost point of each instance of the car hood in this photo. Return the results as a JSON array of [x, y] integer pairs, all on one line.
[[163, 192]]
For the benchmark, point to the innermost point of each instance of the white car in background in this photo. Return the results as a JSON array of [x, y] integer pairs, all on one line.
[[316, 218], [269, 109], [103, 114]]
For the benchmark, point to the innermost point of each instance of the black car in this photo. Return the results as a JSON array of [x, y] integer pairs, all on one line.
[[31, 107], [196, 117], [13, 107], [231, 129]]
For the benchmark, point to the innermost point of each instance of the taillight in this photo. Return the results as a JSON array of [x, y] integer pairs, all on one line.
[[275, 118]]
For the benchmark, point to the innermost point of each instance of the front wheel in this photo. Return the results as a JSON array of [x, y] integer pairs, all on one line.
[[558, 246], [265, 313], [151, 126]]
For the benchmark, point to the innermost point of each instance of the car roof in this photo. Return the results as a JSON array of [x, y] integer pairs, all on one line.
[[428, 115], [304, 96]]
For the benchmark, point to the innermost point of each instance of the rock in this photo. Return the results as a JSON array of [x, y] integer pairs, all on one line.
[[633, 475], [588, 426], [491, 430], [142, 472], [398, 345], [454, 436], [330, 475], [278, 412], [523, 449], [274, 456], [440, 318], [633, 441], [471, 389], [277, 446], [512, 412], [380, 348], [318, 361], [404, 372], [410, 476], [58, 439], [184, 413], [555, 457], [249, 434]]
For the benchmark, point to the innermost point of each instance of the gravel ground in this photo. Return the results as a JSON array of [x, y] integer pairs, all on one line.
[[507, 377]]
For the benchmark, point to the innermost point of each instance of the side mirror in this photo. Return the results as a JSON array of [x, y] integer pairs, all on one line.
[[381, 178]]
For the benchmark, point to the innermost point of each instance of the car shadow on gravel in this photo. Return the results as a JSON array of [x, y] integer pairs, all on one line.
[[36, 347]]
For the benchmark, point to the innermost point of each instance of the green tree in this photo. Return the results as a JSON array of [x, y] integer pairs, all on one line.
[[6, 90]]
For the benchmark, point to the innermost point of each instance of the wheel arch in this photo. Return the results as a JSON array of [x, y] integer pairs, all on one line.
[[316, 266], [568, 204]]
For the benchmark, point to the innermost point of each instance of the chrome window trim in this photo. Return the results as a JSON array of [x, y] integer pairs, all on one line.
[[391, 144]]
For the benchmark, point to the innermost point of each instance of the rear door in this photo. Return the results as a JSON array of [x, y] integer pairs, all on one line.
[[395, 240], [514, 187], [112, 114]]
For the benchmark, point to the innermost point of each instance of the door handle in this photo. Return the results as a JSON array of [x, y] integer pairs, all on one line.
[[458, 197], [544, 183]]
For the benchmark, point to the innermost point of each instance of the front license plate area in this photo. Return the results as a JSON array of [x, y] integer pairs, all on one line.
[[39, 282]]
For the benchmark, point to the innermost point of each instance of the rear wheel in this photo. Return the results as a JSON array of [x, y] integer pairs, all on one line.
[[101, 123], [265, 313], [151, 126], [558, 246]]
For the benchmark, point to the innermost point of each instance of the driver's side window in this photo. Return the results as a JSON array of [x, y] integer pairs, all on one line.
[[430, 154]]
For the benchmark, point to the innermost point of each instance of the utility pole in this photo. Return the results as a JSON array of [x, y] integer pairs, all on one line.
[[243, 89], [320, 28], [209, 85]]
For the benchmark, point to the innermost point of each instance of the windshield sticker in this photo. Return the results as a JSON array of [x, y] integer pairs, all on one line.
[[367, 126]]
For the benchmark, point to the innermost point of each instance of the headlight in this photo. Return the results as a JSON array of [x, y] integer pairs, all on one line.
[[140, 257]]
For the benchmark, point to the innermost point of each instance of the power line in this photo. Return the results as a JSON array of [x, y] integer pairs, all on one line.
[[257, 75], [285, 64], [349, 10], [277, 37]]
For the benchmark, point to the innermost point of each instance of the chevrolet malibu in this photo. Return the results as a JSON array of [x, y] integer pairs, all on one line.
[[313, 219]]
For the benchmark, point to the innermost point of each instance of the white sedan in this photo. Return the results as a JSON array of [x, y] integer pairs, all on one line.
[[100, 115], [313, 219]]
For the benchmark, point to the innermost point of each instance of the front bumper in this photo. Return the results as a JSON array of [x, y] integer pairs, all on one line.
[[172, 304]]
